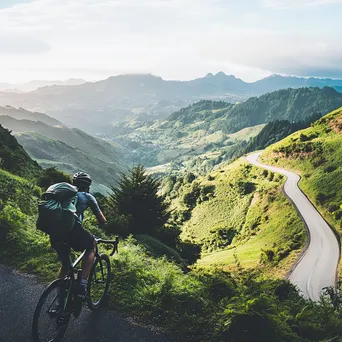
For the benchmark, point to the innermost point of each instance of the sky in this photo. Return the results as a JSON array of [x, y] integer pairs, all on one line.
[[174, 39]]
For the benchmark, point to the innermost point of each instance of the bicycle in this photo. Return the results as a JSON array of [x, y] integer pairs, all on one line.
[[59, 300]]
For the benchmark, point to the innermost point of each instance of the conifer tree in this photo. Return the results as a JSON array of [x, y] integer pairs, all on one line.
[[136, 197]]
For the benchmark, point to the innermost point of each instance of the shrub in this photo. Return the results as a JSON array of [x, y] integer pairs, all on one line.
[[245, 188], [267, 256], [189, 251], [51, 176], [219, 237], [330, 168]]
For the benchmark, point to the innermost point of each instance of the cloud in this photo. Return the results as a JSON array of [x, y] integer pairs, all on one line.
[[20, 44], [174, 38], [289, 53], [10, 3], [293, 4]]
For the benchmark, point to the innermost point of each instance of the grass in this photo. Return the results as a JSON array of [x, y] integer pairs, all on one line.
[[249, 203], [316, 154], [200, 305], [279, 230], [156, 248]]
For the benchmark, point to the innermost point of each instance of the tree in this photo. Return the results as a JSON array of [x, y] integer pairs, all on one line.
[[51, 176], [136, 197]]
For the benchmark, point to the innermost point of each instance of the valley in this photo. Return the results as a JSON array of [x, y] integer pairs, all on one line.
[[230, 233]]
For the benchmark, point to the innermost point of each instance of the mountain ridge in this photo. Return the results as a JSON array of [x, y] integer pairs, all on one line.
[[94, 106], [35, 84]]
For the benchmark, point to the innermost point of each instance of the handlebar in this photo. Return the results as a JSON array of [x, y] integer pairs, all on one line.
[[113, 242]]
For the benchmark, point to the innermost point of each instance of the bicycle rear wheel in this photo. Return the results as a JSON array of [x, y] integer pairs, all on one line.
[[98, 282], [50, 320]]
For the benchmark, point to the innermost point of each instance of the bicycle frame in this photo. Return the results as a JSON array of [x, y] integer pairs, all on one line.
[[72, 265], [61, 296]]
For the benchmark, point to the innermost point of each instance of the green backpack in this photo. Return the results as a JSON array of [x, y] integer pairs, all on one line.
[[57, 209]]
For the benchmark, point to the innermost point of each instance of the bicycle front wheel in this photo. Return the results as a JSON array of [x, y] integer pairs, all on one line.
[[98, 282], [50, 320]]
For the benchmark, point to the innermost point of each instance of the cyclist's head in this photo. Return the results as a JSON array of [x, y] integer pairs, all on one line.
[[82, 181]]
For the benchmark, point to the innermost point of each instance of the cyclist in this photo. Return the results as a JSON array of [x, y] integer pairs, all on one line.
[[78, 238]]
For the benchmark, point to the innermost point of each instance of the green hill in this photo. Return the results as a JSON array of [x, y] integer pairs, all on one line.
[[288, 104], [70, 150], [14, 158], [293, 105], [275, 131], [206, 133], [72, 137], [200, 304], [316, 154], [53, 153], [240, 217]]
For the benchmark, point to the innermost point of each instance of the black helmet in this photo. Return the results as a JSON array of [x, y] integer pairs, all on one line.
[[81, 180]]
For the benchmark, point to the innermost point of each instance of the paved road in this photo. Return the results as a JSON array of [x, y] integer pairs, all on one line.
[[317, 268], [19, 295]]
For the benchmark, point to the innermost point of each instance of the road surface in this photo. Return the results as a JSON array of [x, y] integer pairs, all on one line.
[[19, 295], [318, 266]]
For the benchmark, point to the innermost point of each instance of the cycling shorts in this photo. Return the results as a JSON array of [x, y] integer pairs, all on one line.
[[78, 239]]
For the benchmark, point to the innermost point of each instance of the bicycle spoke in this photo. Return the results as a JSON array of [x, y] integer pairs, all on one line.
[[98, 281], [50, 319], [48, 323]]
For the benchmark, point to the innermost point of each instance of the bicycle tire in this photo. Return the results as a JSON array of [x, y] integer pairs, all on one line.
[[101, 267], [60, 331]]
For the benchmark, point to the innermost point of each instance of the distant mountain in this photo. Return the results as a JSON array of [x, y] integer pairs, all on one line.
[[23, 114], [68, 149], [293, 105], [287, 104], [33, 85], [49, 152], [73, 137], [95, 106], [277, 82], [13, 157], [92, 106], [338, 88], [209, 132]]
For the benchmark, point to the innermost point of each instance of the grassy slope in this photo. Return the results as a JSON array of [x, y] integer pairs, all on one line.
[[202, 305], [184, 136], [49, 152], [70, 150], [263, 218], [316, 154], [14, 158]]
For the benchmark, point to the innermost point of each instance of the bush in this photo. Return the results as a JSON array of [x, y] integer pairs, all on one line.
[[189, 251], [51, 176], [219, 237], [245, 188], [267, 256]]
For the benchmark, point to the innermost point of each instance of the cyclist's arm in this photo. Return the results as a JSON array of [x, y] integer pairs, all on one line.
[[96, 209], [101, 218]]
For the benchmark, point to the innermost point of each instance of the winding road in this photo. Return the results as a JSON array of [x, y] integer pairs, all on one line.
[[317, 268]]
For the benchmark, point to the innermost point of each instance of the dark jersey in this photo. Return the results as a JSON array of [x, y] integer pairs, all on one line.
[[85, 201]]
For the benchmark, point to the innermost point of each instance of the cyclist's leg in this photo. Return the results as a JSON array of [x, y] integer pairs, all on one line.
[[81, 240], [88, 260], [63, 251]]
